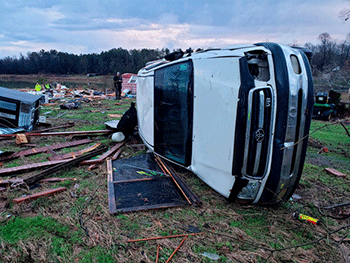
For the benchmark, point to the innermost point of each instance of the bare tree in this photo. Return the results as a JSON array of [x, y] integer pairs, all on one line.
[[326, 52]]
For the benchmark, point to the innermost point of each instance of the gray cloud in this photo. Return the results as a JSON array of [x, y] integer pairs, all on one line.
[[97, 25]]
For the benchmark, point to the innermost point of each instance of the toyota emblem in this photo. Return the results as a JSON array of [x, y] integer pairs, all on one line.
[[259, 135]]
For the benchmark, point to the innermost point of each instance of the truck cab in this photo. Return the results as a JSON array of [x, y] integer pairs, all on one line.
[[234, 116]]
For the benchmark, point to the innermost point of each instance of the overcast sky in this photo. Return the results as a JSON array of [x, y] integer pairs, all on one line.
[[93, 26]]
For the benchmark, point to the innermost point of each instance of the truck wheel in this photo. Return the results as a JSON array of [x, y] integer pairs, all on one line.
[[326, 116]]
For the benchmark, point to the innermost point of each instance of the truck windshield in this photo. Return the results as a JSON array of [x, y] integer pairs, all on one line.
[[173, 111]]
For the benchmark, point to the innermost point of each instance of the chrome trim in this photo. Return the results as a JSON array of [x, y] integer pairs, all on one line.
[[297, 83], [260, 126], [268, 134], [257, 158], [261, 109]]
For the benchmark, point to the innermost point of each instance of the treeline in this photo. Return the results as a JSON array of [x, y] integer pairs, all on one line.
[[329, 57], [329, 54], [55, 62]]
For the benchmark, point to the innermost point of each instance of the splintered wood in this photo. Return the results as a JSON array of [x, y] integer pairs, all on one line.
[[335, 172], [37, 195]]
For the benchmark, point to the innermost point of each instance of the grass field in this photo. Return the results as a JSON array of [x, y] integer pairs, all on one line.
[[76, 226]]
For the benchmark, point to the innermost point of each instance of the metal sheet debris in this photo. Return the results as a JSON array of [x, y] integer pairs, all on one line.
[[18, 109], [112, 124], [4, 131], [137, 183]]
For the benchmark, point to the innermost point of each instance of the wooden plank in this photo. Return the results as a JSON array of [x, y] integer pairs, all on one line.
[[110, 185], [116, 155], [40, 194], [10, 182], [51, 147], [68, 125], [42, 134], [178, 247], [63, 164], [104, 156], [335, 172], [56, 180], [74, 154], [93, 166], [27, 167], [115, 115], [166, 171], [183, 185]]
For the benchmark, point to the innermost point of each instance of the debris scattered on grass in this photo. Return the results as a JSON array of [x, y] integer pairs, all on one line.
[[63, 164], [323, 150], [21, 139], [309, 219], [56, 179], [178, 247], [335, 172], [40, 194], [104, 156], [163, 237], [210, 255]]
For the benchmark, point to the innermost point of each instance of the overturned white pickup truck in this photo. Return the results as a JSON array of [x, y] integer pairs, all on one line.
[[232, 116]]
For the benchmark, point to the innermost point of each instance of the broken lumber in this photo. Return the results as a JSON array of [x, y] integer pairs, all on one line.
[[56, 180], [178, 247], [104, 156], [10, 182], [91, 167], [115, 115], [74, 154], [163, 237], [183, 185], [63, 164], [335, 172], [157, 257], [51, 147], [116, 155], [68, 125], [40, 194], [41, 134], [25, 168], [166, 171]]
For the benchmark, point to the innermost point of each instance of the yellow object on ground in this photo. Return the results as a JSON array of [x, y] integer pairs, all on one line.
[[37, 87]]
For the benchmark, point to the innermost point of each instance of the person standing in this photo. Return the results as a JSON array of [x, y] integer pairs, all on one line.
[[118, 85]]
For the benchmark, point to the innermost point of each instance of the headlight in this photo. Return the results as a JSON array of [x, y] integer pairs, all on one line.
[[250, 191]]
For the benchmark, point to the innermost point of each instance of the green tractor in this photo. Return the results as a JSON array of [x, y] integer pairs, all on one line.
[[326, 104]]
